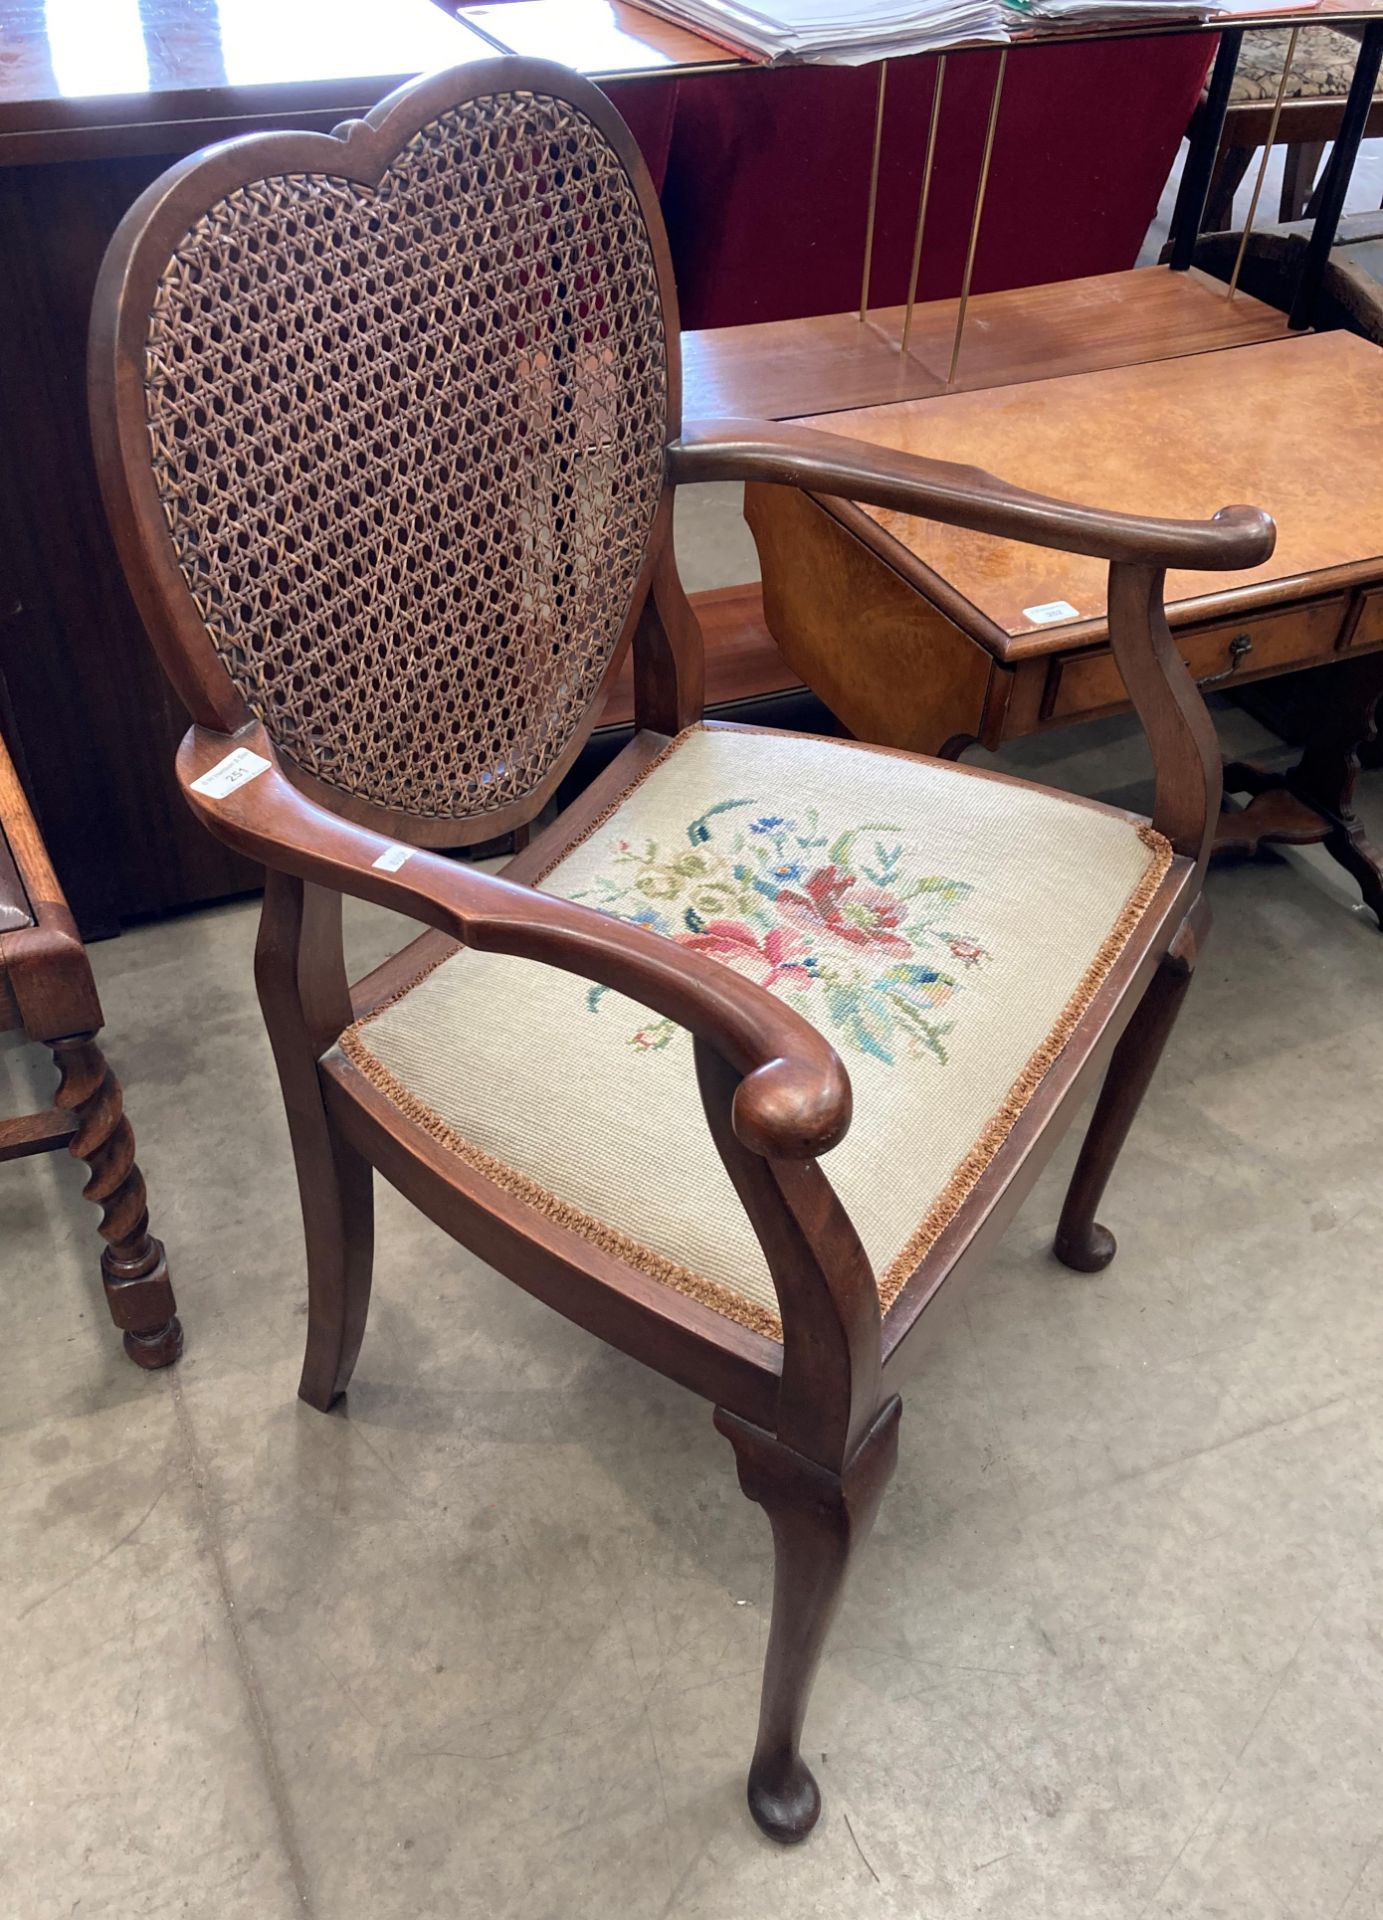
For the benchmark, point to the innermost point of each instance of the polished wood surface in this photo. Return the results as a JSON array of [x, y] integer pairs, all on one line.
[[790, 368], [900, 656], [1295, 424]]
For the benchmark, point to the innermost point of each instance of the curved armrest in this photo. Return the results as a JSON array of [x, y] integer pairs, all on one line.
[[961, 496], [793, 1099]]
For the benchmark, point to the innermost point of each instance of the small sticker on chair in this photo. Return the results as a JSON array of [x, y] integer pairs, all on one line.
[[1051, 610], [234, 771], [392, 858]]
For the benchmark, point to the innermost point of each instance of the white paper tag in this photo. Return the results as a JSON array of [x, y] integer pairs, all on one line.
[[393, 858], [230, 773], [1053, 610]]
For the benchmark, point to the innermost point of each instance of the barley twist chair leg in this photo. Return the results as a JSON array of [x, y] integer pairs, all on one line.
[[133, 1267], [818, 1518], [1081, 1242]]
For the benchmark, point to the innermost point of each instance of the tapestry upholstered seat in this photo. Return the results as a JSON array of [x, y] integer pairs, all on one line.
[[943, 932], [1322, 66]]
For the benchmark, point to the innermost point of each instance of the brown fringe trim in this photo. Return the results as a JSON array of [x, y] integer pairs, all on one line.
[[656, 1266], [709, 1293], [963, 1181]]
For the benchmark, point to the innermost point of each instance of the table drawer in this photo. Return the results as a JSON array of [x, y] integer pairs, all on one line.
[[1368, 628], [1238, 649]]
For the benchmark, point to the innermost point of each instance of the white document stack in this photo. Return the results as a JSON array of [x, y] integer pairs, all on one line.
[[1104, 13], [847, 33]]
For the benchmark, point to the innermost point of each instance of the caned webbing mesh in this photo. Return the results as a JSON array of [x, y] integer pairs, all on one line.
[[409, 443]]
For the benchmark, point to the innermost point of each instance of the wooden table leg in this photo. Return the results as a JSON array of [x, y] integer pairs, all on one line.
[[1312, 803]]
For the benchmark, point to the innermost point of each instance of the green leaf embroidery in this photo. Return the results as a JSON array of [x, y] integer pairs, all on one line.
[[698, 832]]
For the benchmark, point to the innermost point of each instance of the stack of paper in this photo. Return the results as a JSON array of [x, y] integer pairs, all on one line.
[[1104, 13], [843, 33]]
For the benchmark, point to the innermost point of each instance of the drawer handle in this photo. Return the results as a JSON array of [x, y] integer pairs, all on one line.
[[1239, 647]]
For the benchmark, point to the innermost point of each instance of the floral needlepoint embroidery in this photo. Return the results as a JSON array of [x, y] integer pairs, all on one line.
[[842, 924]]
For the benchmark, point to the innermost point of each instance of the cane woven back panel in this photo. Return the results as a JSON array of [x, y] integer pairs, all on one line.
[[408, 441]]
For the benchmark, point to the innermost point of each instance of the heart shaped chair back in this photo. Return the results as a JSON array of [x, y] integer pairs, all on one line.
[[381, 418]]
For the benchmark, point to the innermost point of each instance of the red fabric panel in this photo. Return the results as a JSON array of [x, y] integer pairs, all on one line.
[[768, 174], [648, 107]]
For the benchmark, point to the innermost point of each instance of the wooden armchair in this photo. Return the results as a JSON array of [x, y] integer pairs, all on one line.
[[46, 990], [388, 427]]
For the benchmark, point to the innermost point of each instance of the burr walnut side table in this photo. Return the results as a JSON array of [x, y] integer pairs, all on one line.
[[932, 638]]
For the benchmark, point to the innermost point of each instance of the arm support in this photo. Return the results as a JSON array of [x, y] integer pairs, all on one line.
[[961, 496], [793, 1098], [45, 976]]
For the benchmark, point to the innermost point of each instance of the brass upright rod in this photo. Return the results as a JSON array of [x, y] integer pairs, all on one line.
[[922, 200], [979, 210], [873, 190], [1263, 163]]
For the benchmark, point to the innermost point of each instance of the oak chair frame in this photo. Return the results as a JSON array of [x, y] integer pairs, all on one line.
[[47, 992], [813, 1421]]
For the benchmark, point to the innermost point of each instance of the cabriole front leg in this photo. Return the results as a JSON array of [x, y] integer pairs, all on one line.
[[1081, 1242], [818, 1518]]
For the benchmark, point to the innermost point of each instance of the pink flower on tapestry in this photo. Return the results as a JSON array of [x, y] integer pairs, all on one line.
[[968, 952], [776, 958], [836, 903]]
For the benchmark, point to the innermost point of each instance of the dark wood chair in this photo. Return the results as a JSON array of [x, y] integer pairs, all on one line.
[[46, 990], [388, 426]]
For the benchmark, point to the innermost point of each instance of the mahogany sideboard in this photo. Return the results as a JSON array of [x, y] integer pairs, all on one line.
[[933, 639]]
